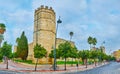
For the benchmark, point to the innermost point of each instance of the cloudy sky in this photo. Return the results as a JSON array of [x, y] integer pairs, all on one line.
[[96, 18]]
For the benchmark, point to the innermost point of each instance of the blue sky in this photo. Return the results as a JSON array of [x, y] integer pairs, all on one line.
[[96, 18]]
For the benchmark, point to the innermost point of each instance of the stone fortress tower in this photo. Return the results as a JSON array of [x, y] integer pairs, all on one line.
[[44, 30], [44, 27]]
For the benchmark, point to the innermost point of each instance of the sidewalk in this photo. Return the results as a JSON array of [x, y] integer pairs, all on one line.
[[44, 69]]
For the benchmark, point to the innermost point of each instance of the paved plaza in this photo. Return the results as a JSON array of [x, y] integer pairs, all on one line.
[[19, 68]]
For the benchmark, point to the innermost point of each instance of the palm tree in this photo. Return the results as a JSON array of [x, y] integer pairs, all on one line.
[[90, 41], [2, 30], [1, 38], [94, 41], [71, 34]]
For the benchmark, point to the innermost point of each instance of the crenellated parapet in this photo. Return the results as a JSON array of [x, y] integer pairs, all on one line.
[[45, 8], [44, 12]]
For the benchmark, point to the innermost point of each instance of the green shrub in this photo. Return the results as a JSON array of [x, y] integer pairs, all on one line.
[[68, 62], [1, 57], [0, 60], [24, 61]]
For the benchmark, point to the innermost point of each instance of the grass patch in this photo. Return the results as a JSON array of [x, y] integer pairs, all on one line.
[[24, 61], [27, 62], [74, 62], [68, 62], [58, 62]]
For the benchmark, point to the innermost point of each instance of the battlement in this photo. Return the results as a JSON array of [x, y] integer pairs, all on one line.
[[44, 7]]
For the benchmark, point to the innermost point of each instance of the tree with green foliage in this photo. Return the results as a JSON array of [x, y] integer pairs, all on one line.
[[39, 52], [81, 55], [111, 58], [94, 55], [6, 51], [73, 53], [14, 55], [65, 50], [58, 54], [1, 56], [51, 55], [84, 56], [90, 41], [104, 56], [101, 56], [22, 46]]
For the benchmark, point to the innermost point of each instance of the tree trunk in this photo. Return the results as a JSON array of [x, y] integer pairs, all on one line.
[[83, 61], [95, 62], [7, 64], [65, 63], [86, 62], [36, 64], [56, 63], [78, 61], [72, 62]]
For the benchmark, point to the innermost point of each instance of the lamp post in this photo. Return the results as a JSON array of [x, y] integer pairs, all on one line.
[[58, 22]]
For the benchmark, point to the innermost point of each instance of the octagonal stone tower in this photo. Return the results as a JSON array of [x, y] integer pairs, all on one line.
[[45, 29]]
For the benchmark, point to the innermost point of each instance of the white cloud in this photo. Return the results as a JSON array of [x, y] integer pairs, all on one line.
[[20, 20], [2, 21], [21, 17]]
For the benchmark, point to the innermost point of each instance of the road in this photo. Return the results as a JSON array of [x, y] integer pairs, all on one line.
[[112, 68], [9, 72]]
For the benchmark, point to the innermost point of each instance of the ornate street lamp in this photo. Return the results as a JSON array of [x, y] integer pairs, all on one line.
[[58, 22]]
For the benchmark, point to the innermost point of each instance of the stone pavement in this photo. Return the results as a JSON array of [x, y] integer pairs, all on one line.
[[43, 69]]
